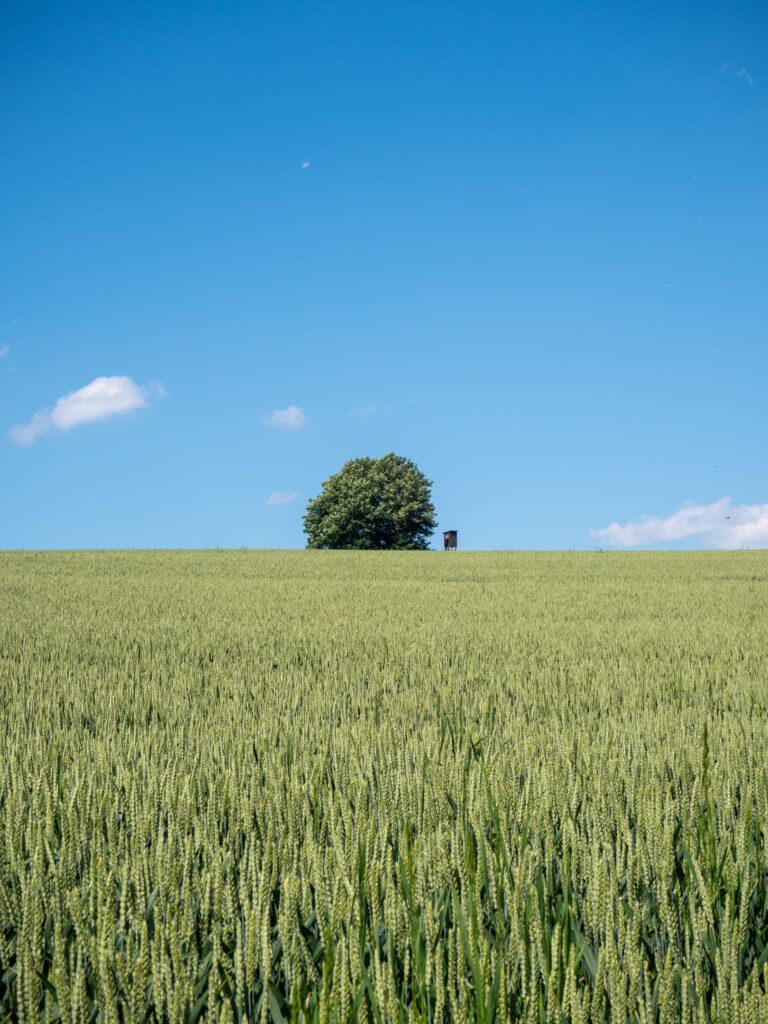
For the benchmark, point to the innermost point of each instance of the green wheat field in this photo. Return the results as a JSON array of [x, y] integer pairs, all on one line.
[[334, 787]]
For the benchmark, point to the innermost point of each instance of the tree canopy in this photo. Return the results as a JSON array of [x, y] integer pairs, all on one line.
[[372, 504]]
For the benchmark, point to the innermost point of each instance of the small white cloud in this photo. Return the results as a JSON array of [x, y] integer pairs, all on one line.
[[5, 348], [291, 418], [743, 73], [102, 398], [282, 497], [720, 524], [364, 411], [306, 165]]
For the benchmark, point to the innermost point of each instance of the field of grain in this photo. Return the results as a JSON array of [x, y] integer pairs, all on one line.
[[336, 787]]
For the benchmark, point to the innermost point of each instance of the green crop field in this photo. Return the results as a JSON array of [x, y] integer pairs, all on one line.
[[336, 787]]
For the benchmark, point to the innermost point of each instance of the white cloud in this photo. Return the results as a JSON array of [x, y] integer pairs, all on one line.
[[365, 411], [291, 418], [5, 348], [102, 398], [720, 524], [282, 497], [743, 73]]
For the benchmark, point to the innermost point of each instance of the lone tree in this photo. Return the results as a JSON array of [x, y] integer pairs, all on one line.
[[372, 504]]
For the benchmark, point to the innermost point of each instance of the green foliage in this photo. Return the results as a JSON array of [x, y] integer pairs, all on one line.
[[372, 504], [343, 787]]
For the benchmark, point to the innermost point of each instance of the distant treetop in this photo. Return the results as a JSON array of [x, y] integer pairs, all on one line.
[[373, 504]]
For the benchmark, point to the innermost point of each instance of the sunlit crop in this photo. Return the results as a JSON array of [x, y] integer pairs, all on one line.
[[333, 787]]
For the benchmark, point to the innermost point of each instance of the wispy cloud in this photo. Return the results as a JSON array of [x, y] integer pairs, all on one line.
[[5, 348], [720, 524], [291, 418], [282, 497], [365, 411], [742, 73], [102, 398]]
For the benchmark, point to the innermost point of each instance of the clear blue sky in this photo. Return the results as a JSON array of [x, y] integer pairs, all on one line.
[[529, 251]]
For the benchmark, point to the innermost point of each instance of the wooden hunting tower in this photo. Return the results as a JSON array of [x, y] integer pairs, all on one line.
[[451, 539]]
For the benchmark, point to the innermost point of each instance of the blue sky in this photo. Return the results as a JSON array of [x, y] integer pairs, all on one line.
[[523, 244]]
